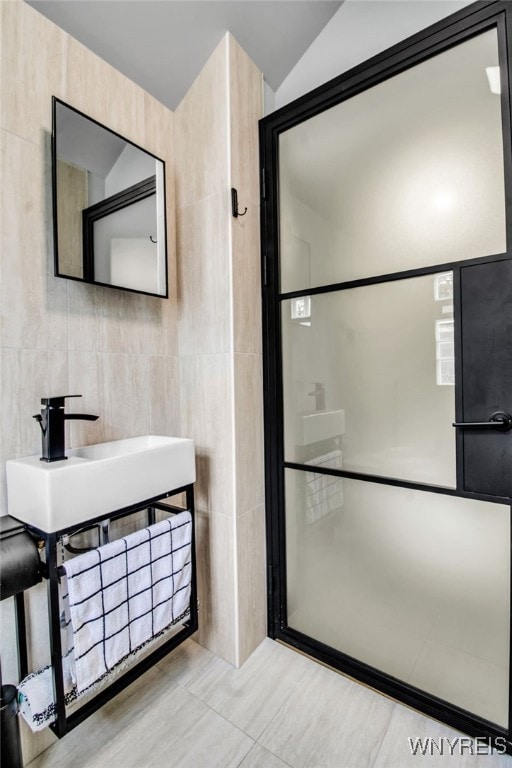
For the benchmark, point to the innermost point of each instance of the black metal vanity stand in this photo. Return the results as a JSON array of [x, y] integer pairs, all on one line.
[[64, 722]]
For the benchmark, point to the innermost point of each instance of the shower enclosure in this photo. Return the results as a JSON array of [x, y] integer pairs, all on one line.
[[386, 224]]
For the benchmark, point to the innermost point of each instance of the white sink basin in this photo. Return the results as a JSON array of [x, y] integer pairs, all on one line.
[[97, 479], [315, 426]]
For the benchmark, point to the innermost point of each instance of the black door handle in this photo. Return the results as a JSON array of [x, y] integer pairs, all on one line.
[[498, 420]]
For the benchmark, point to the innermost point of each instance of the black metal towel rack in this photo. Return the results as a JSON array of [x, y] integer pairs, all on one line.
[[65, 721]]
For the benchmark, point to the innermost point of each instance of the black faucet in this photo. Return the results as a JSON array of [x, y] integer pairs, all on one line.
[[51, 420]]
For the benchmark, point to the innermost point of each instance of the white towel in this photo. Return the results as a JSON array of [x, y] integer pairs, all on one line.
[[35, 692], [35, 695], [125, 593]]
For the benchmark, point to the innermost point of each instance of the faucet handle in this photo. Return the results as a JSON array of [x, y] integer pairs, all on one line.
[[56, 402]]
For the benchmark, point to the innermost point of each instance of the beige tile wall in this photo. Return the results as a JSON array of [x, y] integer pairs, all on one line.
[[190, 365], [205, 339], [119, 350], [220, 342], [246, 108]]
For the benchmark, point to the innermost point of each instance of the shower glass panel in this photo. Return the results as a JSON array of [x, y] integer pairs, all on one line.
[[420, 185], [368, 379], [387, 324], [415, 584]]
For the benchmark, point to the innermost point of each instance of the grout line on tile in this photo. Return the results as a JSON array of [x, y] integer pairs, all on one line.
[[21, 138], [227, 720], [200, 200], [374, 761]]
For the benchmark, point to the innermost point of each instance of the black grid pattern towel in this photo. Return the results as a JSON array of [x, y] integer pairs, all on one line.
[[126, 592], [324, 493]]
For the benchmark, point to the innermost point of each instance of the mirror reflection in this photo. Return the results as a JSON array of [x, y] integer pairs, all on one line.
[[109, 206]]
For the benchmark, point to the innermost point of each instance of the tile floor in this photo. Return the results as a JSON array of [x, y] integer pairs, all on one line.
[[193, 710]]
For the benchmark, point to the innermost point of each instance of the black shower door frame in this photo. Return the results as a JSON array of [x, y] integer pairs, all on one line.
[[455, 29]]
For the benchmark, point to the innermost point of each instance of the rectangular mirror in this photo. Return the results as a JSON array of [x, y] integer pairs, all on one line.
[[108, 206]]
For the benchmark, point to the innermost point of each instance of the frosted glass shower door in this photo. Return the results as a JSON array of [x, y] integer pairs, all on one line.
[[377, 351], [414, 584], [401, 176], [394, 314]]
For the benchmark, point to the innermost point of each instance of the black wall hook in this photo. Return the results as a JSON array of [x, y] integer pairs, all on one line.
[[234, 204]]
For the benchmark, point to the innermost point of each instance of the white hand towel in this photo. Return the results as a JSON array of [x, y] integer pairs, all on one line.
[[125, 593], [35, 692], [35, 695]]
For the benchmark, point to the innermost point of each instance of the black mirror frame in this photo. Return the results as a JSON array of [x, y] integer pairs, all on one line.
[[144, 189]]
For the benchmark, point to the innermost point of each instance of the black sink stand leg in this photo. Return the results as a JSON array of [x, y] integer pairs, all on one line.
[[59, 726]]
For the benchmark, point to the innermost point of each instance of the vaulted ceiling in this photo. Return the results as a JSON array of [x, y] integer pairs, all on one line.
[[163, 44]]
